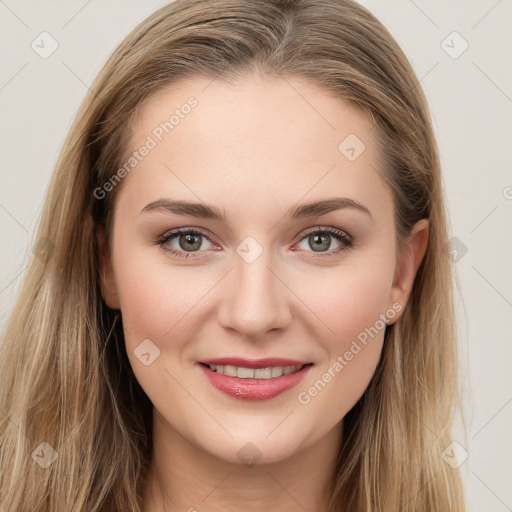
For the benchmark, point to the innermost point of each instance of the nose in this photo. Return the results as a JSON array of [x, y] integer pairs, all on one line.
[[255, 300]]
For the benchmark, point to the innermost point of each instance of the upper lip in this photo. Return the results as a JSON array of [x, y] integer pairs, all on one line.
[[267, 362]]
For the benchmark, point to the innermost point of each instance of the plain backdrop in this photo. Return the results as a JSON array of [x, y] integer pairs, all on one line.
[[461, 52]]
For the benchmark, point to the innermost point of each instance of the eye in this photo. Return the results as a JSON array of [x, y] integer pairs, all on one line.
[[320, 240], [183, 242]]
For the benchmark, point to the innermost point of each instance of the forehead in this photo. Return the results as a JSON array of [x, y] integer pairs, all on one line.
[[255, 113], [260, 142]]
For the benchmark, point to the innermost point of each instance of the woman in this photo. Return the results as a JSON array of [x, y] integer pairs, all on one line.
[[239, 297]]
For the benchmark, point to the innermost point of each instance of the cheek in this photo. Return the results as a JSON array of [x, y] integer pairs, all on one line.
[[155, 300], [352, 303], [159, 304], [351, 299]]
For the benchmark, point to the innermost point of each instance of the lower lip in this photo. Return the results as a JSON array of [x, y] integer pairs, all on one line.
[[254, 389]]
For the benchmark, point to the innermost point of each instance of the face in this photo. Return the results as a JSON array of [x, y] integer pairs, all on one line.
[[253, 272]]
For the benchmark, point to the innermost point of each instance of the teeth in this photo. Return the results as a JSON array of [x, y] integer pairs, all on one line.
[[230, 370], [277, 371], [263, 373], [245, 373], [251, 373]]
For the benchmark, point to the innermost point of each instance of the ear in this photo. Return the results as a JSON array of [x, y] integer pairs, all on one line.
[[409, 261], [107, 279]]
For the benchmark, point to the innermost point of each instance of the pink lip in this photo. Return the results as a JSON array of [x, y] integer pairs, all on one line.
[[255, 389], [268, 362]]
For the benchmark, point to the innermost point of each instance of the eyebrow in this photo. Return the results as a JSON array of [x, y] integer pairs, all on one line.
[[207, 211]]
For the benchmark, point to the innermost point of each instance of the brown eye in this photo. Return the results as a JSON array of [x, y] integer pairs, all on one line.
[[185, 242], [190, 241], [321, 240]]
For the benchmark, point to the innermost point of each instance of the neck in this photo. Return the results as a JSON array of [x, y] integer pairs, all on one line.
[[183, 477]]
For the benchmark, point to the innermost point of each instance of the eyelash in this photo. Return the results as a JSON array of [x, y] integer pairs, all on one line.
[[338, 234]]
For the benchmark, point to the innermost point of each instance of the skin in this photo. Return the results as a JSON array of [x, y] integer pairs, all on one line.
[[254, 150]]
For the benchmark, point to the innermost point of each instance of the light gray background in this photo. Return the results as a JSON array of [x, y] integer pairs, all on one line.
[[471, 103]]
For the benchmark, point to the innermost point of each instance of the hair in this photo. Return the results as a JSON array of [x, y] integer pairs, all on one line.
[[66, 378]]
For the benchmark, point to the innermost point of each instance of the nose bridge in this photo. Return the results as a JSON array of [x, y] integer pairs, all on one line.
[[255, 300]]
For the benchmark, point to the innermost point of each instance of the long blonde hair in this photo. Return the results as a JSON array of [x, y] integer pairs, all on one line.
[[65, 378]]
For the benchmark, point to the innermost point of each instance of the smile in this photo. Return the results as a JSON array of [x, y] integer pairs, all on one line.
[[254, 380]]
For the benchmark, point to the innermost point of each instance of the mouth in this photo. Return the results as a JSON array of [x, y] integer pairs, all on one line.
[[254, 380]]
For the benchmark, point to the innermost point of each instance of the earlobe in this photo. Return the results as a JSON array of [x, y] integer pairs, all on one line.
[[107, 280], [412, 255]]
